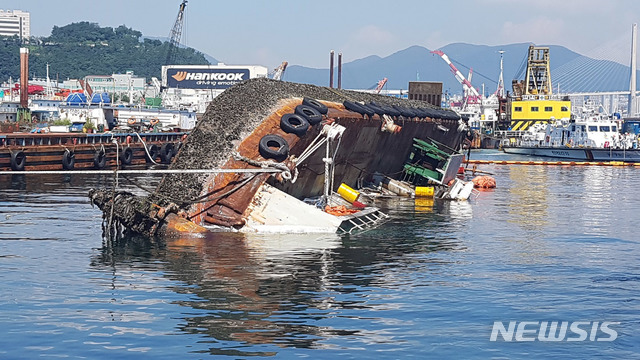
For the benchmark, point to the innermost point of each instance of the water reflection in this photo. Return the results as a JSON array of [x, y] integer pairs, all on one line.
[[278, 290], [434, 271], [529, 197]]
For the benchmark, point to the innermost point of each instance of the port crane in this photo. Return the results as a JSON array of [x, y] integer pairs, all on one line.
[[175, 34], [381, 84], [471, 95], [279, 71]]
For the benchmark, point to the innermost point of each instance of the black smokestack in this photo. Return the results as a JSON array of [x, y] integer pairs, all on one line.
[[331, 70]]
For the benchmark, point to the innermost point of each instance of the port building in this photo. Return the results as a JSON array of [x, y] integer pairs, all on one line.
[[15, 22]]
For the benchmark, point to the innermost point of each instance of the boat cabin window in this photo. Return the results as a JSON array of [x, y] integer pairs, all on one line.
[[548, 108], [564, 108], [614, 129], [593, 128], [517, 108], [573, 128], [583, 128], [534, 108], [604, 128]]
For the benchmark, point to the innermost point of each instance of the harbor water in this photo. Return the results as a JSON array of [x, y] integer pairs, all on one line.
[[549, 244]]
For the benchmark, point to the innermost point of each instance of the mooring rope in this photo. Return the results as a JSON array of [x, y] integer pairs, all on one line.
[[145, 149]]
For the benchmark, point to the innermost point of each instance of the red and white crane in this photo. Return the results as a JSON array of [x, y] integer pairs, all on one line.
[[471, 95], [279, 71], [381, 84]]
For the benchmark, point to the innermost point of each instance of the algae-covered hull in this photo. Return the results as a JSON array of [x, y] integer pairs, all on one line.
[[251, 126]]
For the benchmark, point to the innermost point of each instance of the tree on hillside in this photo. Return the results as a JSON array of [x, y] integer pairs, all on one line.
[[80, 49]]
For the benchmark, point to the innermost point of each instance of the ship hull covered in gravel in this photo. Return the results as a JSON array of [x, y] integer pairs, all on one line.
[[375, 139]]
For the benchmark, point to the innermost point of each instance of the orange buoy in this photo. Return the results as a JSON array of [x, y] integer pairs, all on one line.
[[484, 182]]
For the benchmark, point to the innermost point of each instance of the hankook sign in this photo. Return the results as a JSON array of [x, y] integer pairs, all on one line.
[[199, 78]]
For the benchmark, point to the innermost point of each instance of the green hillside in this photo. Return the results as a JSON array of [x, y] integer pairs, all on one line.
[[80, 49]]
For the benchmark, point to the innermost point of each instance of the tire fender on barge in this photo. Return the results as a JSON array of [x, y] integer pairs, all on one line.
[[18, 160]]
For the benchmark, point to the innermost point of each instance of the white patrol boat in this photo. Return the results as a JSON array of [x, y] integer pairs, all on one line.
[[593, 137]]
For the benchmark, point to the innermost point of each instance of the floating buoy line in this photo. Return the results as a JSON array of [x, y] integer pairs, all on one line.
[[561, 163]]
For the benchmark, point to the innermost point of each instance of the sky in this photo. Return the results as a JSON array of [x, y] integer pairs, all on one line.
[[303, 32]]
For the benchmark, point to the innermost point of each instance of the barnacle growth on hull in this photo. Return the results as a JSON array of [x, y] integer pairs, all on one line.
[[228, 137]]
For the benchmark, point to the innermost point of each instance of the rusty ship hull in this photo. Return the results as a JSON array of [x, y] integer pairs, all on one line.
[[228, 137]]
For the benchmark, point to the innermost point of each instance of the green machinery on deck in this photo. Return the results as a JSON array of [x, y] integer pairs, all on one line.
[[431, 162]]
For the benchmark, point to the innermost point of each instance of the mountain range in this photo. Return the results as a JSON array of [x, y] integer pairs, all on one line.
[[97, 50], [572, 71]]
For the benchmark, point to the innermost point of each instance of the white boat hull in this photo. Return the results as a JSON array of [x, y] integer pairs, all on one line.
[[586, 154]]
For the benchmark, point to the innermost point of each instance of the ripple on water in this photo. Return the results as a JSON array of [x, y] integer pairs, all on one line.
[[550, 243]]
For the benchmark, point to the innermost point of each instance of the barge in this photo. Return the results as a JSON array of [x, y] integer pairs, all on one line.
[[69, 151], [285, 149]]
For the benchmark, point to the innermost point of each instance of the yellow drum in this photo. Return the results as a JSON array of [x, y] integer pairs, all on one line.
[[424, 191], [348, 193]]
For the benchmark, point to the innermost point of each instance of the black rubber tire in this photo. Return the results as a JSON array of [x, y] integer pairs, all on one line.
[[273, 147], [413, 112], [354, 107], [166, 152], [389, 110], [359, 108], [310, 113], [126, 156], [429, 112], [68, 160], [367, 110], [377, 109], [420, 112], [18, 160], [404, 111], [99, 159], [452, 115], [153, 153], [437, 114], [322, 108], [294, 124]]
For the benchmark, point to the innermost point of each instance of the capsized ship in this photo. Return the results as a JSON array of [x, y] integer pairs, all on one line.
[[272, 144]]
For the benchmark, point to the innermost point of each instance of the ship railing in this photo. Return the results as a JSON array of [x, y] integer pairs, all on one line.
[[510, 133], [363, 221], [69, 139]]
